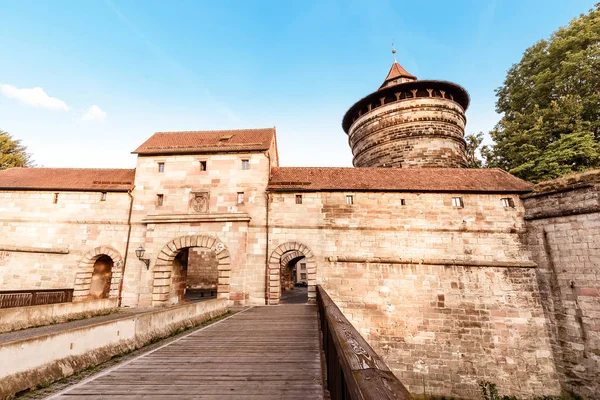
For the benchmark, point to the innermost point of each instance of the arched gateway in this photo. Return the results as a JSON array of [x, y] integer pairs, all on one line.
[[162, 287], [284, 255], [100, 269]]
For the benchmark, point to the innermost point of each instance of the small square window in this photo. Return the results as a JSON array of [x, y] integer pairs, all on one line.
[[303, 276], [303, 267], [55, 198], [508, 202], [160, 198], [161, 167], [245, 164], [202, 165], [103, 196], [457, 202], [298, 199], [240, 198], [349, 199], [402, 202]]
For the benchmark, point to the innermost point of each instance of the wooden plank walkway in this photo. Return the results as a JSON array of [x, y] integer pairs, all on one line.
[[261, 353]]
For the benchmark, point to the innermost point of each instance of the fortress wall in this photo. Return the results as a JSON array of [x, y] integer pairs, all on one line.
[[563, 226], [240, 227], [448, 296], [42, 244], [139, 281]]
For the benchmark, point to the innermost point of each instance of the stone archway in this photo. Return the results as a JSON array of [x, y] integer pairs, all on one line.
[[279, 259], [284, 270], [163, 269], [83, 277]]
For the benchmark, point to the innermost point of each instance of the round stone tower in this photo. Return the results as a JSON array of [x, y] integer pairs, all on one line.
[[409, 123]]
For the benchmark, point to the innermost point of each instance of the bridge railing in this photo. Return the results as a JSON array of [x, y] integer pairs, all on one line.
[[354, 370], [23, 298]]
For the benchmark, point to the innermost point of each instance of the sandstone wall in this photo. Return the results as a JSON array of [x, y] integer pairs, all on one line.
[[239, 227], [442, 293], [202, 270], [421, 132], [42, 244], [563, 224]]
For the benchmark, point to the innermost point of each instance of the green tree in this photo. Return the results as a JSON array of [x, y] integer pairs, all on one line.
[[12, 152], [474, 141], [550, 103]]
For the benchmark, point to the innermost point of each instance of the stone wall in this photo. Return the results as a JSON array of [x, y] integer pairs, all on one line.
[[46, 246], [240, 228], [16, 318], [202, 270], [563, 231], [422, 132], [443, 293]]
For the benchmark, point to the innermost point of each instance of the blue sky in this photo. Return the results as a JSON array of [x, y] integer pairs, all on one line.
[[110, 73]]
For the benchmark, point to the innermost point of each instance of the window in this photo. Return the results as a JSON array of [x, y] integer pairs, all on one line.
[[160, 198], [402, 202], [349, 199], [161, 167], [103, 196], [508, 202], [55, 199], [240, 198], [298, 199], [303, 276], [202, 165], [245, 164], [457, 202], [302, 267]]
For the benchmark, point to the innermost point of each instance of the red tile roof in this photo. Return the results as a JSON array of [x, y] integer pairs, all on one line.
[[396, 179], [397, 71], [81, 179], [207, 141]]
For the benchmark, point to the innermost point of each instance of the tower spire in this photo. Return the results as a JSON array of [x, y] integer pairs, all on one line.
[[394, 51]]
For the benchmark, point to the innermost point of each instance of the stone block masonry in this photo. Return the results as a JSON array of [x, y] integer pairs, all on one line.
[[563, 232], [449, 327], [449, 296], [43, 243]]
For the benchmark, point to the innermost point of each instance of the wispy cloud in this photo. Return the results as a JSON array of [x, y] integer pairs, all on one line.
[[179, 69], [36, 97], [94, 113]]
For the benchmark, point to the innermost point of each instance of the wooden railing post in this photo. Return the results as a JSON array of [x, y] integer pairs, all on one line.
[[354, 370]]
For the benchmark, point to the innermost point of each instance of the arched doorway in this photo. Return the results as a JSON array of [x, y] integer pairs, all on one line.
[[282, 262], [101, 277], [173, 276], [294, 279], [99, 270]]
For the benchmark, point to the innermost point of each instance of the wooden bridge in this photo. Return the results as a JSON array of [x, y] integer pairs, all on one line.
[[270, 352]]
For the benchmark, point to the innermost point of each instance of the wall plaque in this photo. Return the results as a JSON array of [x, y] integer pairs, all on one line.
[[199, 202]]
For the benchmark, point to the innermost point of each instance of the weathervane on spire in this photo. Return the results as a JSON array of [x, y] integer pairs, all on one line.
[[393, 51]]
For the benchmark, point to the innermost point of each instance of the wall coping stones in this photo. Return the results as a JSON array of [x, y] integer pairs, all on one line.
[[28, 249], [433, 261], [173, 218]]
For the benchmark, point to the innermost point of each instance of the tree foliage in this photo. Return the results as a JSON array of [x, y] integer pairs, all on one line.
[[551, 105], [12, 152], [474, 141]]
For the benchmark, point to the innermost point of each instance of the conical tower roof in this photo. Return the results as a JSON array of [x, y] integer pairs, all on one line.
[[397, 71]]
